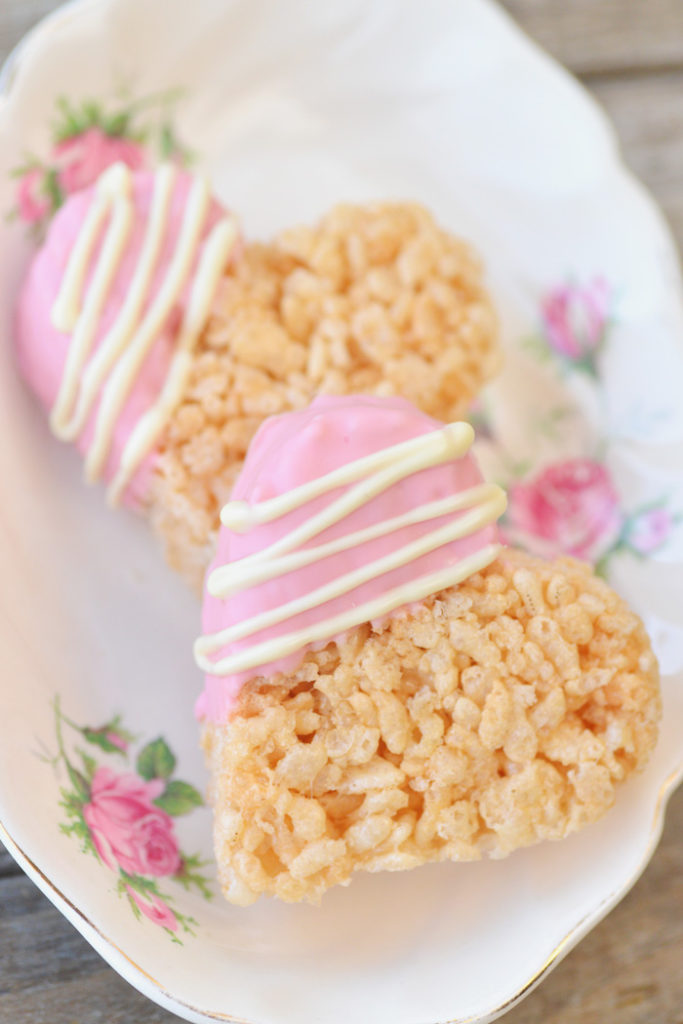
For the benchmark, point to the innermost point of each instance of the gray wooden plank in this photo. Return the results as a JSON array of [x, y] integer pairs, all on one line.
[[590, 36], [626, 969], [50, 975], [598, 37], [629, 967], [17, 17], [648, 116], [593, 37], [7, 865]]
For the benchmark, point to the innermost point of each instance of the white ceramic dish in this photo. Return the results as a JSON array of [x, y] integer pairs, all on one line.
[[293, 107]]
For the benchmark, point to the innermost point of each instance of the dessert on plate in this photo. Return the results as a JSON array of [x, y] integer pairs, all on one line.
[[386, 683], [159, 339]]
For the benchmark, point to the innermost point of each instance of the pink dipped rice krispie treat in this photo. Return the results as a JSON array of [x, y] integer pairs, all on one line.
[[386, 684], [111, 312], [159, 341]]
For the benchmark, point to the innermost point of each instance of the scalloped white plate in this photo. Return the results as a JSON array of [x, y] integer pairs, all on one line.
[[293, 107]]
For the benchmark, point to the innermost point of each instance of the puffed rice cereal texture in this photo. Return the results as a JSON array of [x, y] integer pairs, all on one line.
[[375, 299], [501, 712]]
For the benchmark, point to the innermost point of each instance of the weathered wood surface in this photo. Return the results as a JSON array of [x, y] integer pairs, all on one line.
[[628, 970], [592, 37], [17, 17], [50, 975], [7, 865], [606, 37], [647, 112]]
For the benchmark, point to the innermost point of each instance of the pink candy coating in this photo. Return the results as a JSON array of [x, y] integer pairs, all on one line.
[[292, 449], [42, 350]]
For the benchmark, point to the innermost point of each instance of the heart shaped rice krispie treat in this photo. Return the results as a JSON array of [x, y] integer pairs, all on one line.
[[160, 341], [387, 685]]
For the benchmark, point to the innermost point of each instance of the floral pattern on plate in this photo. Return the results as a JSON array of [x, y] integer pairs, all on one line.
[[501, 167], [572, 505], [125, 818], [87, 137], [576, 319], [572, 508]]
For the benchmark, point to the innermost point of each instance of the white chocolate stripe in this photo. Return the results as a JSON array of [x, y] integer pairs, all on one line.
[[479, 506], [407, 593], [487, 512], [124, 374], [110, 373], [122, 329], [435, 448], [215, 253], [114, 183], [452, 440], [254, 569], [67, 306]]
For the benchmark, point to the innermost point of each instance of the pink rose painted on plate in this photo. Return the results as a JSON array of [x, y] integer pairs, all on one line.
[[116, 740], [32, 201], [649, 530], [87, 137], [128, 830], [82, 158], [126, 818], [154, 908], [575, 318], [571, 507]]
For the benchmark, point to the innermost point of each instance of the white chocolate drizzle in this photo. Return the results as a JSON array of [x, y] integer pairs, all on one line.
[[111, 371], [369, 476]]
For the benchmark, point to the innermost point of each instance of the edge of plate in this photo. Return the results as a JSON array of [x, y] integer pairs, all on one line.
[[116, 957], [590, 920], [64, 13], [132, 972], [640, 191], [145, 983]]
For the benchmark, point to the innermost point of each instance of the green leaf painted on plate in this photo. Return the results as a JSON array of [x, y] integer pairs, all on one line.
[[179, 798], [79, 783], [156, 760], [89, 764], [101, 738]]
